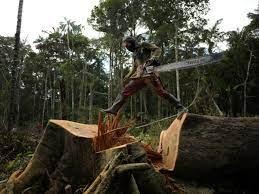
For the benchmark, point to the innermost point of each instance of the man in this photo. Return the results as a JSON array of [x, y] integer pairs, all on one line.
[[145, 57]]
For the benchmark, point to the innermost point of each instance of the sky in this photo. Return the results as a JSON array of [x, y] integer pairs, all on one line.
[[42, 15]]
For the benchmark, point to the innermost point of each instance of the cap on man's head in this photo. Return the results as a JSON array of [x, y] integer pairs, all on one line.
[[131, 43]]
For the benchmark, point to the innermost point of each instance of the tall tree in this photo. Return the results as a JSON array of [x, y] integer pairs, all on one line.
[[171, 21], [74, 61], [12, 118], [115, 18]]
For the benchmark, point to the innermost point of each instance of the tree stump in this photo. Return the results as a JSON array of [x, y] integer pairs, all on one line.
[[65, 161]]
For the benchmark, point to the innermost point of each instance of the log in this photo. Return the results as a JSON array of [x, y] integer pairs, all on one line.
[[66, 161], [105, 177], [133, 188], [215, 148]]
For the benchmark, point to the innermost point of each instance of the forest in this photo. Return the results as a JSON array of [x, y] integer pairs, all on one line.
[[90, 71], [66, 75]]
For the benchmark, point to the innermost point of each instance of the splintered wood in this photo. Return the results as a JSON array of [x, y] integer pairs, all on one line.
[[110, 133]]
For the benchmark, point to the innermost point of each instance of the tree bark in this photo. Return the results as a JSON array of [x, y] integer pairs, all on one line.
[[245, 82], [215, 148], [110, 89], [65, 160], [72, 99], [91, 99], [176, 60], [63, 98], [53, 95], [13, 90], [45, 98]]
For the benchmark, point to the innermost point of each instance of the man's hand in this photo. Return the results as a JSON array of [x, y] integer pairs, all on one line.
[[153, 62]]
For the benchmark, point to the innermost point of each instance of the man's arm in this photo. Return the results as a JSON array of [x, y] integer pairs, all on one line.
[[155, 50], [155, 54], [131, 72]]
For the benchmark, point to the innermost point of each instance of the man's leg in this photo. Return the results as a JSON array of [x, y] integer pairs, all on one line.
[[131, 88], [160, 90]]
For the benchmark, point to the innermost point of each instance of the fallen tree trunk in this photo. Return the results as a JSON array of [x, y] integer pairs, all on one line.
[[216, 148]]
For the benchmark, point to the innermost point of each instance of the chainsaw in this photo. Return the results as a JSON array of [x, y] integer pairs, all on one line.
[[149, 68]]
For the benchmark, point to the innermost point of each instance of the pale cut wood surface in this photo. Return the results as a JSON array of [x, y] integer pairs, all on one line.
[[169, 142], [77, 129]]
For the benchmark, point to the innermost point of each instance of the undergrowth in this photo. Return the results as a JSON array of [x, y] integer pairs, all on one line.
[[16, 149], [150, 134]]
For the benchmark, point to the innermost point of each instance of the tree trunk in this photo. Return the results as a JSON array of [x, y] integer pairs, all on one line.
[[72, 99], [216, 148], [81, 93], [65, 160], [121, 64], [211, 149], [45, 98], [91, 99], [176, 60], [13, 90], [34, 103], [110, 89], [245, 82], [220, 113], [63, 98], [53, 99], [18, 93]]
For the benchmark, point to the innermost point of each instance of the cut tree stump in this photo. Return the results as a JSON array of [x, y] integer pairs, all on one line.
[[66, 161]]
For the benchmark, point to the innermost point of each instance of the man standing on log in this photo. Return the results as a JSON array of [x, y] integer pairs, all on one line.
[[145, 57]]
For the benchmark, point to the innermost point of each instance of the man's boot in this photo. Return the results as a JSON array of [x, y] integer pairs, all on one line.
[[117, 104], [173, 100]]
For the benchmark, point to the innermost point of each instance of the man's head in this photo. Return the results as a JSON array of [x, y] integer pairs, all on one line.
[[130, 43]]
